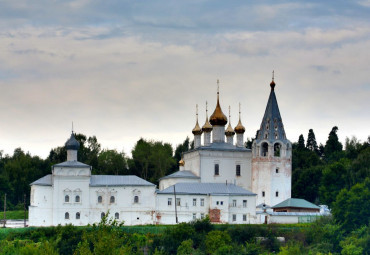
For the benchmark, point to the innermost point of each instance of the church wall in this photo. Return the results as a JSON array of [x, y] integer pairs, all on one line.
[[130, 210], [192, 162], [227, 162], [165, 213], [72, 186], [40, 209]]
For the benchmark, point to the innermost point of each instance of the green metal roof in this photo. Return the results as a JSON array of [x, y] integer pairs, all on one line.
[[296, 202]]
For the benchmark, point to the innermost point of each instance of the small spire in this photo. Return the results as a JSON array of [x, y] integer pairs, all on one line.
[[272, 84], [197, 111], [72, 127], [218, 117], [206, 109], [239, 129], [229, 114], [207, 127], [218, 87]]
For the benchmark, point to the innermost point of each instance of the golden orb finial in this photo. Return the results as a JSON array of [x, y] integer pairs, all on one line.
[[272, 84]]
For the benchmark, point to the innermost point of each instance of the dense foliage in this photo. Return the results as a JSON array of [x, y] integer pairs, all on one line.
[[199, 237]]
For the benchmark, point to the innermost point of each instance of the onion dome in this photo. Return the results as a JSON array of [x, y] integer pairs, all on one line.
[[181, 162], [218, 117], [207, 127], [197, 130], [239, 129], [229, 130], [72, 143]]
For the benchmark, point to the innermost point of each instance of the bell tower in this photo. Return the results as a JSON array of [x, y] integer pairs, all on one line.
[[271, 157]]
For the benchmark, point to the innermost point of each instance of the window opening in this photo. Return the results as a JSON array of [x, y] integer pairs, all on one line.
[[202, 202], [217, 169], [234, 203], [112, 199], [136, 199], [194, 202], [234, 217], [100, 199], [169, 202], [263, 194], [277, 147], [116, 215], [244, 217], [265, 149], [237, 170], [244, 203], [277, 193], [66, 216], [178, 201], [102, 215], [78, 216], [66, 199], [77, 199]]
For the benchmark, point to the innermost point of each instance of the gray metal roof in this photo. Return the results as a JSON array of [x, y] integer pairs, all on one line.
[[43, 181], [186, 174], [261, 206], [118, 180], [102, 180], [272, 123], [207, 189], [72, 164], [296, 202], [220, 147]]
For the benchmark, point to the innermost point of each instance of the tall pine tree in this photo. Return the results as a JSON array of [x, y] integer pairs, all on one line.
[[333, 145], [311, 142]]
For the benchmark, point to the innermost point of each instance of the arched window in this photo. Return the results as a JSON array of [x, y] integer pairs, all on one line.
[[277, 147], [264, 149], [66, 216], [77, 216], [136, 199], [116, 215], [112, 199], [66, 199], [100, 199], [77, 199], [102, 215]]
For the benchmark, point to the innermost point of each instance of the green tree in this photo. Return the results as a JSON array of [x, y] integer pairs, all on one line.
[[300, 145], [351, 208], [216, 239], [333, 146], [112, 162], [185, 248], [334, 177], [311, 142]]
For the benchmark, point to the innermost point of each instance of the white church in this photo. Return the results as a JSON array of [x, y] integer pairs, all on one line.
[[219, 178]]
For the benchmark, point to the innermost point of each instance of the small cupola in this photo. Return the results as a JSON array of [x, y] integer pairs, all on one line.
[[72, 146]]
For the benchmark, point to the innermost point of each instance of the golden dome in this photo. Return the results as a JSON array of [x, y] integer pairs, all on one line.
[[218, 117], [229, 131], [182, 162], [197, 130], [207, 127], [239, 129]]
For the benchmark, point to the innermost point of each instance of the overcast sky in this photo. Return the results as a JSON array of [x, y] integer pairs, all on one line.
[[122, 70]]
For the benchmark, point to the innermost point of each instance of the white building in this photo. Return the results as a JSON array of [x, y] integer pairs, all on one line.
[[221, 179]]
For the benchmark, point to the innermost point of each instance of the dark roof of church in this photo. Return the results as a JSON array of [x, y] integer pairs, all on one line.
[[272, 124]]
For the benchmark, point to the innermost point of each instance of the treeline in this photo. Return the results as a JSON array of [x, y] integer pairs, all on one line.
[[322, 237], [150, 160], [320, 172]]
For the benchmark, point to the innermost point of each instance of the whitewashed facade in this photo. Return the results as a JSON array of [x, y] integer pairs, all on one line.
[[219, 178]]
